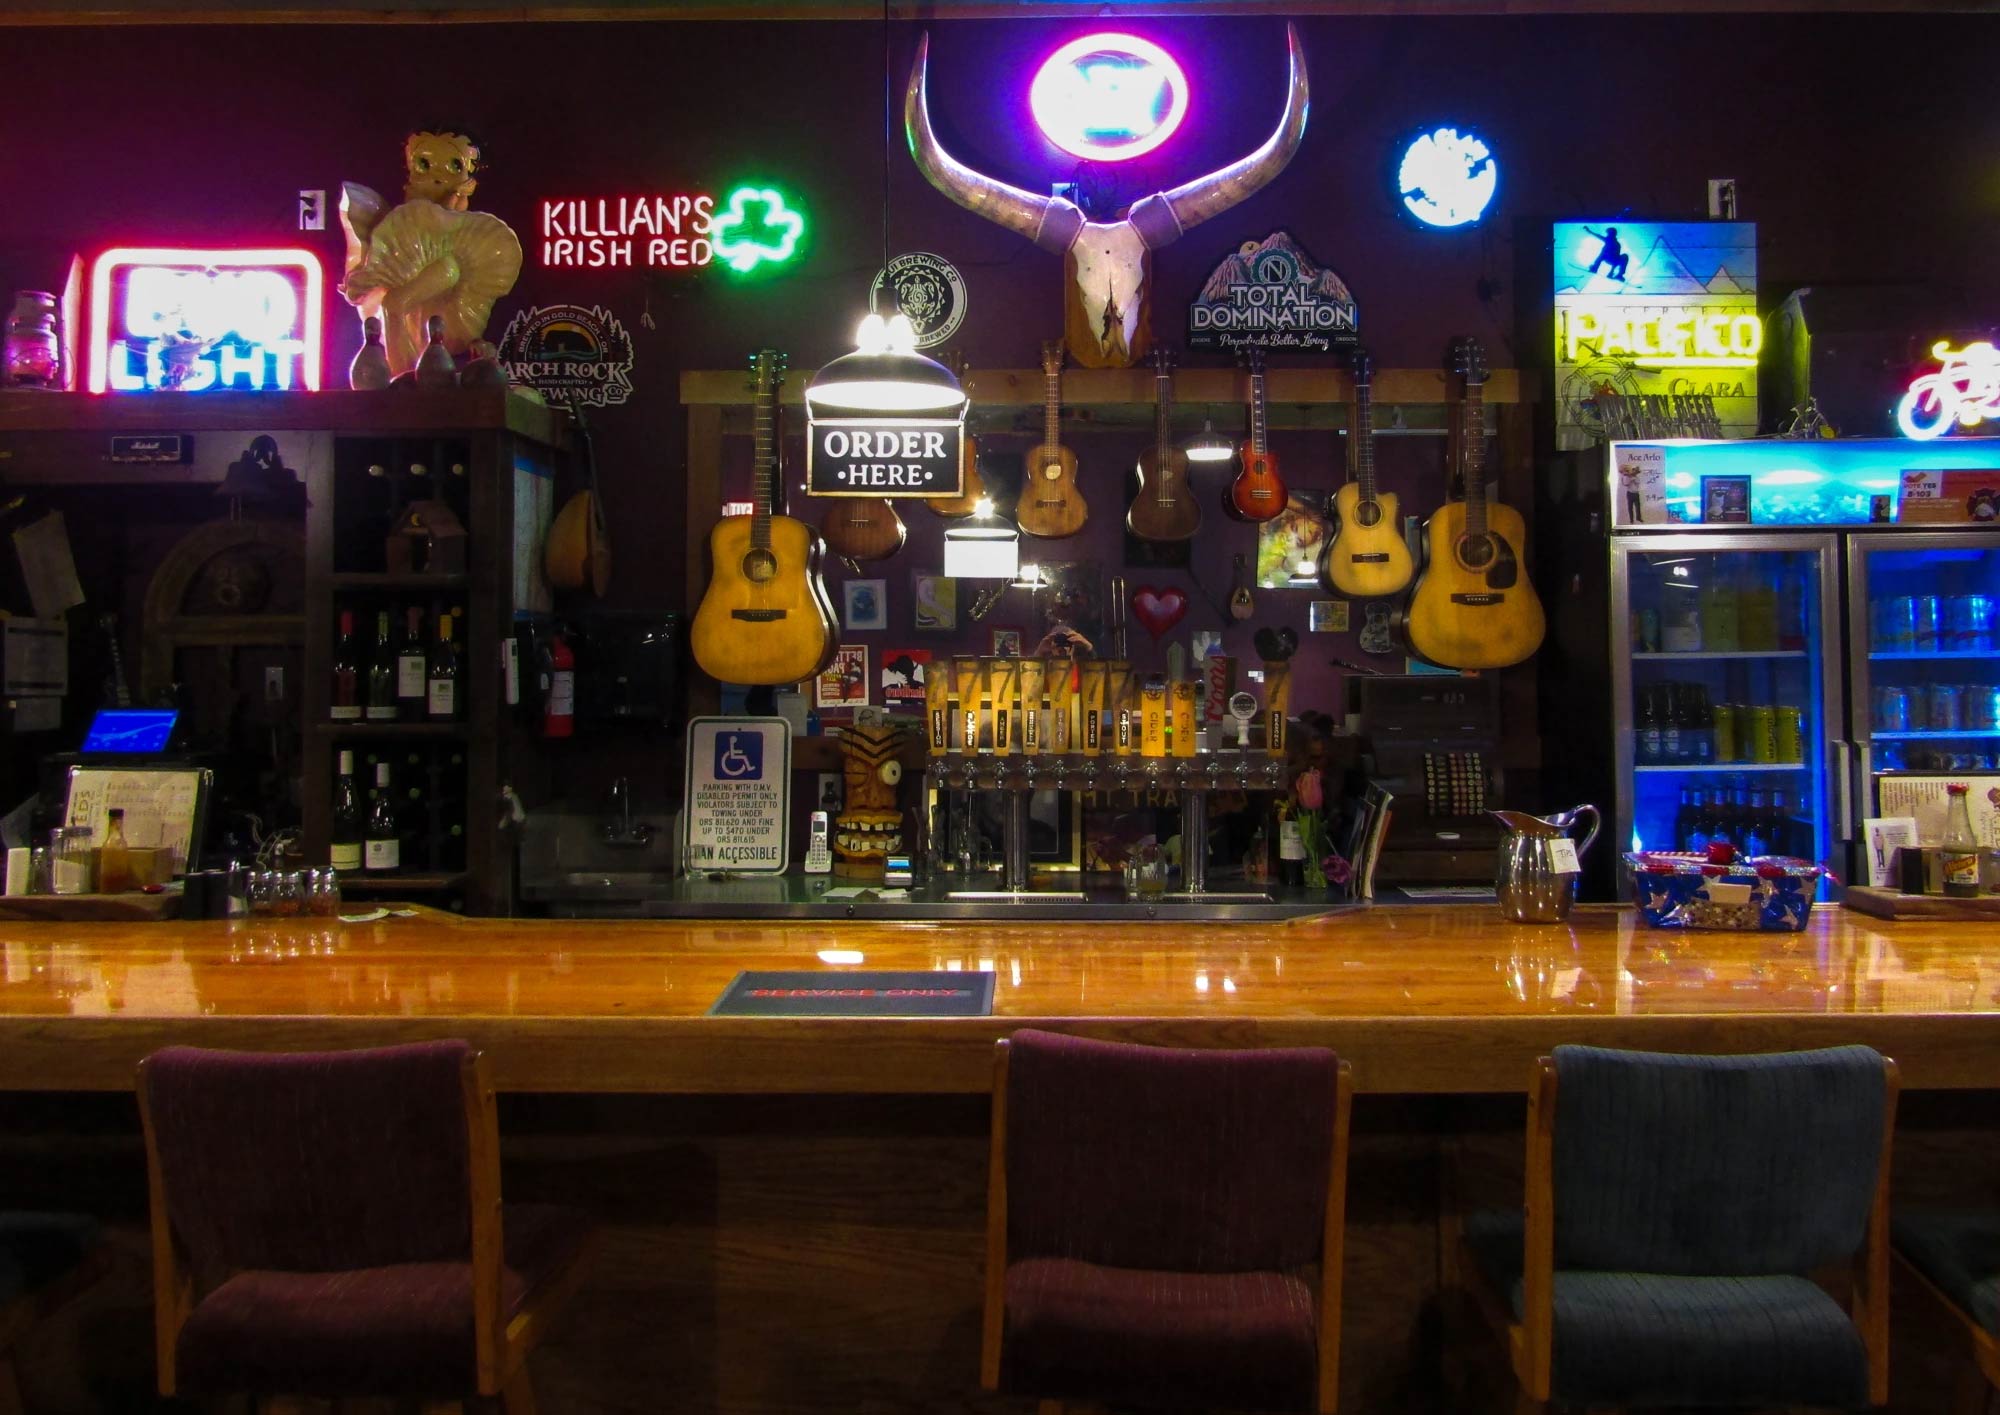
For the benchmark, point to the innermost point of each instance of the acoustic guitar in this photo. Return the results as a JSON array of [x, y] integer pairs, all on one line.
[[973, 489], [1474, 607], [576, 553], [765, 618], [1051, 506], [1367, 557], [1164, 508], [1257, 492], [863, 528]]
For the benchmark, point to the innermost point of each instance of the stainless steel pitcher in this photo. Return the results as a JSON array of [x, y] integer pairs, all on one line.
[[1533, 885]]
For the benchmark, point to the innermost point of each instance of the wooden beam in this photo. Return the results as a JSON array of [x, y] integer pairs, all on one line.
[[1018, 388]]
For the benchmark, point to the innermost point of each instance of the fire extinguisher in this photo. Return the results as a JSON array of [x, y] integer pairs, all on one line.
[[558, 685]]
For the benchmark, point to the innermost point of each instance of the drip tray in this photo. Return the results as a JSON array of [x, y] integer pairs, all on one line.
[[1039, 896]]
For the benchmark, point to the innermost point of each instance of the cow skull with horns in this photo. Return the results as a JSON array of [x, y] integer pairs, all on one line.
[[1107, 265]]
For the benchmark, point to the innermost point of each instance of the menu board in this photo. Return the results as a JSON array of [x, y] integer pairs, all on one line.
[[163, 805]]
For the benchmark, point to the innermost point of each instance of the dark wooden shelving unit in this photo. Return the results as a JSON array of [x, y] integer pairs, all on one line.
[[416, 583], [393, 731]]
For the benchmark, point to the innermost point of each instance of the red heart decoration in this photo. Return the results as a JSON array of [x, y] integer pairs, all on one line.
[[1159, 610]]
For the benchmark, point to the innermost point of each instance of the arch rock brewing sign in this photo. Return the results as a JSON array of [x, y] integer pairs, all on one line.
[[575, 356]]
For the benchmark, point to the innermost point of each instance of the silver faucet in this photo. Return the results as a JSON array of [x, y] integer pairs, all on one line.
[[621, 829]]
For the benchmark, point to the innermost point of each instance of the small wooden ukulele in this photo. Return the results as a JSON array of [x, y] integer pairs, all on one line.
[[1258, 491], [863, 528], [1164, 508], [972, 489], [765, 618], [1367, 557], [1242, 603], [1051, 506], [1474, 607]]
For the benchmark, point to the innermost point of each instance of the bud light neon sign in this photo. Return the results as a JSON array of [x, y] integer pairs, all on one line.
[[1109, 97], [194, 321]]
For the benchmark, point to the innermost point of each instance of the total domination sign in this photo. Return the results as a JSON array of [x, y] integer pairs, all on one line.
[[885, 457]]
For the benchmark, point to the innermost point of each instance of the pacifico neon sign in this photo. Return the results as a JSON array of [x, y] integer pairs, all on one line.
[[191, 321], [1662, 336]]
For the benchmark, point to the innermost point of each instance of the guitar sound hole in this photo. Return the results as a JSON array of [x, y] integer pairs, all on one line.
[[1052, 471], [1367, 513], [1475, 552], [760, 566]]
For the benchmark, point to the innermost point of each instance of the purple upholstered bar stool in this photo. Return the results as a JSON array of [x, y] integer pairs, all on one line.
[[329, 1225], [1164, 1227]]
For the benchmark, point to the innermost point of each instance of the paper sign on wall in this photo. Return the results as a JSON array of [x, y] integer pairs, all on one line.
[[739, 787], [1923, 797], [1642, 486]]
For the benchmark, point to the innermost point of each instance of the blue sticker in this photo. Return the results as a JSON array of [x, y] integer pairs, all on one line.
[[739, 756]]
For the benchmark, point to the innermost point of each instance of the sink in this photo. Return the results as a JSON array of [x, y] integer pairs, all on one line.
[[564, 856]]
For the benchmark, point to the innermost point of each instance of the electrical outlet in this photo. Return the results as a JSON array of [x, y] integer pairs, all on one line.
[[1722, 198], [274, 683], [829, 782], [312, 209]]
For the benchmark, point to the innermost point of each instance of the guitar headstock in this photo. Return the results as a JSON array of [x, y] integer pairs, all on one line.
[[1164, 359], [1253, 359], [1468, 360], [767, 370], [1052, 357], [1362, 366]]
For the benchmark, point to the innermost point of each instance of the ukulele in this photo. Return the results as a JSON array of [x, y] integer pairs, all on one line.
[[1242, 603], [1473, 606], [1164, 508], [1051, 506], [863, 528], [765, 618], [1258, 491], [967, 501], [1367, 557]]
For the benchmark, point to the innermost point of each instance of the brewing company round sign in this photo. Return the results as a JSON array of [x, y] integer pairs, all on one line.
[[928, 289]]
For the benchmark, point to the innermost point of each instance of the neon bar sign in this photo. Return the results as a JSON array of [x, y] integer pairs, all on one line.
[[190, 321], [1964, 389], [754, 226], [1662, 336], [1109, 97]]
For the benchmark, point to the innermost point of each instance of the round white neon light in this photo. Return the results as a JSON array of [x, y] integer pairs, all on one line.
[[1447, 178], [1109, 97]]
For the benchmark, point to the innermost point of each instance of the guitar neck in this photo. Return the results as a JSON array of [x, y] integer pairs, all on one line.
[[1364, 438], [1163, 433], [1052, 410], [1473, 456], [1259, 443], [765, 493]]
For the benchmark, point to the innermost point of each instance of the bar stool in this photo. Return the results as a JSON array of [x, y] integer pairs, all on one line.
[[1676, 1206], [1955, 1258], [329, 1225], [1164, 1227], [45, 1260]]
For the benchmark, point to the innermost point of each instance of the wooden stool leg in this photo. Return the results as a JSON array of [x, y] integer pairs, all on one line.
[[519, 1396], [1525, 1404], [1972, 1391]]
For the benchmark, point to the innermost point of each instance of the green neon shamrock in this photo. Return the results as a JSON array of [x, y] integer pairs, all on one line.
[[743, 242]]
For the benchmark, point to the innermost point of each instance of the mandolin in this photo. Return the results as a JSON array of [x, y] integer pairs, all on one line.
[[1473, 606], [576, 553], [1257, 492], [1164, 508], [972, 488], [863, 528], [1051, 506], [765, 618], [1367, 557], [1242, 603]]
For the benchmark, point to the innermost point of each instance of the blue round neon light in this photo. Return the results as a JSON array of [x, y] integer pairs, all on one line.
[[1109, 97], [1447, 177]]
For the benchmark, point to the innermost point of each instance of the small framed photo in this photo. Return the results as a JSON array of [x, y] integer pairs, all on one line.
[[935, 599], [844, 684], [1006, 643], [867, 605], [1725, 500]]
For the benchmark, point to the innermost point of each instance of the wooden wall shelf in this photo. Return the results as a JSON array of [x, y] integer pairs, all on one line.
[[390, 413], [1107, 387]]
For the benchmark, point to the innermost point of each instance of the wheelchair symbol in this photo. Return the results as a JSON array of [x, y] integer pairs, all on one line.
[[733, 762]]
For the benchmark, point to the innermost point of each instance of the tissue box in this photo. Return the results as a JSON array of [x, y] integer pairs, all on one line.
[[1769, 893]]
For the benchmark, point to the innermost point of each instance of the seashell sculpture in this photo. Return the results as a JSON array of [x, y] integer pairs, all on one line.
[[428, 256]]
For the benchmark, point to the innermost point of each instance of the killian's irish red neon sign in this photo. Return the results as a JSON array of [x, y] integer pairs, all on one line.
[[752, 227]]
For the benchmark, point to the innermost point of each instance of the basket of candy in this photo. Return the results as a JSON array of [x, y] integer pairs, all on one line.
[[1767, 892]]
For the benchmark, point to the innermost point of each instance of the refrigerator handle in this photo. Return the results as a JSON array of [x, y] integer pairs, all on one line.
[[1843, 783], [1864, 782]]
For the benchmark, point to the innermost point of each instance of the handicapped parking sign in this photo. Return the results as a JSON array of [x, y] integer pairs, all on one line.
[[738, 797], [739, 756]]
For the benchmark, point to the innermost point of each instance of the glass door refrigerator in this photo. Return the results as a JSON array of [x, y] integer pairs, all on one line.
[[1802, 637]]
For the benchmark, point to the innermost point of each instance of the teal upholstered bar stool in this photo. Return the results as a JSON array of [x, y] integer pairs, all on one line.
[[1678, 1211], [1955, 1257]]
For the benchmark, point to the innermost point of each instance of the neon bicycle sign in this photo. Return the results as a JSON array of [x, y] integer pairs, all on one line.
[[1963, 389]]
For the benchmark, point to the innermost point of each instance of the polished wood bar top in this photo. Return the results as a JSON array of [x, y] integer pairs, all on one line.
[[1421, 999]]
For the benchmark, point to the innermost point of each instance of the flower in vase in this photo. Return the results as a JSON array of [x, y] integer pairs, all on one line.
[[1335, 867], [1309, 791]]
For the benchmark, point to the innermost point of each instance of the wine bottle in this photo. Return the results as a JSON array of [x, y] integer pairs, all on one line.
[[441, 680], [410, 668], [382, 673], [382, 847], [346, 673], [346, 853]]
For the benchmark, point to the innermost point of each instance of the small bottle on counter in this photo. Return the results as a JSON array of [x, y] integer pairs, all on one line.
[[1961, 846], [114, 859]]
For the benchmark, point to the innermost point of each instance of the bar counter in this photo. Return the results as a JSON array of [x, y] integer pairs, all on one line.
[[1433, 999]]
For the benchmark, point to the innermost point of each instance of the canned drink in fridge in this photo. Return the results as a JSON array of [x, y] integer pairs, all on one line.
[[1927, 611], [1727, 741], [1982, 707], [1892, 709], [1788, 742], [1895, 625], [1760, 733], [1947, 707], [1968, 623]]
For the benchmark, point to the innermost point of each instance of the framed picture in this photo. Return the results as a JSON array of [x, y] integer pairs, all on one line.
[[1725, 500], [866, 604], [903, 673], [1005, 643], [936, 601], [844, 684]]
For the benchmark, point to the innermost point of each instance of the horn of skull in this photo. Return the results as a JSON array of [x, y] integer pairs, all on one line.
[[1107, 265]]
